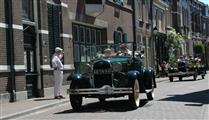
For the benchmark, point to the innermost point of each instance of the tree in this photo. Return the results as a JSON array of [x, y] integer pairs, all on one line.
[[199, 48], [174, 41]]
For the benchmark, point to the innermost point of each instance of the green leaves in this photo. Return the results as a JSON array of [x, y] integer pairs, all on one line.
[[199, 48], [174, 39]]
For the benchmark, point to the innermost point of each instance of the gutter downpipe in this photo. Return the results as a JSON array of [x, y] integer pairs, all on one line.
[[152, 37], [9, 20], [41, 90], [134, 29]]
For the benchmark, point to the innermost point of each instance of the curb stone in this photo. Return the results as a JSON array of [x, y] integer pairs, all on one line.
[[18, 114]]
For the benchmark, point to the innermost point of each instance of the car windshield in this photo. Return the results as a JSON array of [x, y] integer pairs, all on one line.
[[115, 51]]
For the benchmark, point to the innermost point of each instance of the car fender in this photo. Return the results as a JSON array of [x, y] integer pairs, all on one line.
[[78, 79], [132, 75], [148, 78], [74, 77]]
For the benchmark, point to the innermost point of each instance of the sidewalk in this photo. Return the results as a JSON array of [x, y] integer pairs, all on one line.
[[20, 108]]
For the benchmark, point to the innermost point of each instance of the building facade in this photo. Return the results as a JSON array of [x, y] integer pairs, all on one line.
[[143, 29], [31, 29], [161, 20]]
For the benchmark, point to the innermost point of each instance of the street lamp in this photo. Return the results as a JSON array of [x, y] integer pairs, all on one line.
[[155, 32]]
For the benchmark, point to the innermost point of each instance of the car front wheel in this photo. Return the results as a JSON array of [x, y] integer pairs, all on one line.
[[171, 79], [75, 100], [134, 97]]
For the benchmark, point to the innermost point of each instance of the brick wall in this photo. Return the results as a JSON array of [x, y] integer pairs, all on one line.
[[2, 11], [20, 82], [3, 49], [3, 58], [4, 83]]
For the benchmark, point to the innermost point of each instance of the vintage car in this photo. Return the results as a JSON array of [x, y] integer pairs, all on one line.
[[112, 76], [186, 69]]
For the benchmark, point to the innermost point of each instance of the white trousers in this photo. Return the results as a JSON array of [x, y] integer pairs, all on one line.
[[58, 80]]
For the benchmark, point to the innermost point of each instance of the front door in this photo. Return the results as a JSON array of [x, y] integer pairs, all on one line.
[[30, 61]]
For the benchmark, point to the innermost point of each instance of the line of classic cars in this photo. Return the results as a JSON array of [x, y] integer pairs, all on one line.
[[112, 76]]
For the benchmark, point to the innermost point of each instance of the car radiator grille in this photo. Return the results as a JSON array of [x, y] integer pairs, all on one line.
[[102, 74]]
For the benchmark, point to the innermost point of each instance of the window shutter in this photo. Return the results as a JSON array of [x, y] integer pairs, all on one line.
[[56, 26], [125, 38], [53, 27], [50, 29], [116, 37]]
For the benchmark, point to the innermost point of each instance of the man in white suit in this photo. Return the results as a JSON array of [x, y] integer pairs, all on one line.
[[58, 72]]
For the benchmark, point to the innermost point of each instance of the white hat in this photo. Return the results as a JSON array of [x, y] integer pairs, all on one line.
[[107, 50], [57, 49]]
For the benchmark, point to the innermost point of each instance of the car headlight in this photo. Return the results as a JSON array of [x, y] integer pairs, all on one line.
[[117, 67], [86, 69]]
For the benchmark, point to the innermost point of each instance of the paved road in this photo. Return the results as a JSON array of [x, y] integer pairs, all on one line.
[[185, 99]]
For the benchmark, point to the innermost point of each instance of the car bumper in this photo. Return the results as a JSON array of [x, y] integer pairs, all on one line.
[[105, 90], [178, 74]]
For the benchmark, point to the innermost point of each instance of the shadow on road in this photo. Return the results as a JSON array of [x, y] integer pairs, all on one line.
[[108, 106], [196, 98]]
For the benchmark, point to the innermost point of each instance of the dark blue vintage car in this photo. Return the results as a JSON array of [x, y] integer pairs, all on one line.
[[112, 76]]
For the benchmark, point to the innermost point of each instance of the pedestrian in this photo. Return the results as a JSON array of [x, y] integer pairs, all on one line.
[[108, 52], [124, 51], [58, 72], [164, 68]]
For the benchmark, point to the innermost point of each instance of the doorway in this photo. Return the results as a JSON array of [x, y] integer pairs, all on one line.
[[30, 60]]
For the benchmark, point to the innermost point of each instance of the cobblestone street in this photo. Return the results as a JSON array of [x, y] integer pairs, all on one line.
[[185, 99]]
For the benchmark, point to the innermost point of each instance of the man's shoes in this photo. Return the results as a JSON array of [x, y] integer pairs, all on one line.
[[57, 97], [62, 97]]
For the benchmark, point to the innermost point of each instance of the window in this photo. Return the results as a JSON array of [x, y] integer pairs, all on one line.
[[85, 39], [147, 10], [53, 27], [27, 10], [204, 26], [162, 20], [75, 33], [93, 36], [140, 9], [76, 53], [88, 36], [98, 37], [82, 34]]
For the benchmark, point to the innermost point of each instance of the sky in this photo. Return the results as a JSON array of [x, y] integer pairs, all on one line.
[[205, 1]]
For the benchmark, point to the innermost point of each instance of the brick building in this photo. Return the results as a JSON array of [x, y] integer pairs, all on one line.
[[31, 29]]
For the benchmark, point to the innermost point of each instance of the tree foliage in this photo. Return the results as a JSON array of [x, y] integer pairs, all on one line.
[[199, 48], [174, 41]]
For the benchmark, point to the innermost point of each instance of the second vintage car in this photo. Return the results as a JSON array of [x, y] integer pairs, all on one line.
[[185, 68]]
